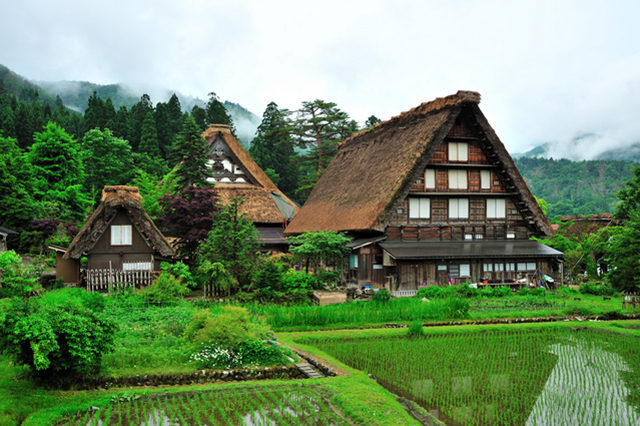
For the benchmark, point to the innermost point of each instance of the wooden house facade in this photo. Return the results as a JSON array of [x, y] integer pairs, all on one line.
[[431, 197], [119, 236], [236, 175]]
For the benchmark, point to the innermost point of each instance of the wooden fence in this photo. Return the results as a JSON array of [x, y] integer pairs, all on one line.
[[106, 279], [631, 299], [404, 293], [211, 290]]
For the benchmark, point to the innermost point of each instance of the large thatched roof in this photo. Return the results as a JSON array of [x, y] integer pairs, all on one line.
[[264, 202], [375, 168], [115, 198]]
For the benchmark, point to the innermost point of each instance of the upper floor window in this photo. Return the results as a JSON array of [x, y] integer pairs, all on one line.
[[419, 208], [120, 235], [458, 208], [457, 179], [458, 151], [496, 208], [429, 178], [485, 179]]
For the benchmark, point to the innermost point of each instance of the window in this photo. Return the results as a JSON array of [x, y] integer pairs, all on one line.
[[510, 267], [120, 235], [419, 208], [463, 270], [496, 208], [136, 266], [529, 266], [442, 267], [485, 179], [430, 178], [458, 151], [353, 261], [479, 236], [488, 267], [468, 236], [457, 179], [499, 267], [458, 208], [511, 234]]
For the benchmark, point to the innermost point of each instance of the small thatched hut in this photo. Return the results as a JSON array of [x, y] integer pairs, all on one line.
[[431, 197], [236, 174], [120, 235]]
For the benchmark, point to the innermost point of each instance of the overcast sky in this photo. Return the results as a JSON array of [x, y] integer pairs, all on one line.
[[546, 70]]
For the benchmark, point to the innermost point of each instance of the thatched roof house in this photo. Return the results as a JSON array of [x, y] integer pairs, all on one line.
[[435, 174], [236, 174], [120, 232]]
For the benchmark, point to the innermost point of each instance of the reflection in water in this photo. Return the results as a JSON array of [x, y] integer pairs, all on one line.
[[584, 388]]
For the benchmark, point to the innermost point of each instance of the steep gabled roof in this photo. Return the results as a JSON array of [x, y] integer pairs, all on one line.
[[375, 168], [264, 202], [115, 198]]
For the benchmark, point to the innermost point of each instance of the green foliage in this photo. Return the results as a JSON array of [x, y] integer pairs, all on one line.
[[165, 288], [299, 280], [629, 196], [268, 276], [217, 274], [415, 329], [538, 291], [320, 249], [233, 241], [180, 271], [17, 205], [575, 187], [106, 160], [192, 151], [216, 113], [273, 150], [229, 328], [597, 290], [381, 296], [56, 341], [59, 172], [16, 280]]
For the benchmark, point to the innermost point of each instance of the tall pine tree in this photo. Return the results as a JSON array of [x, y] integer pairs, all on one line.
[[216, 113], [192, 149]]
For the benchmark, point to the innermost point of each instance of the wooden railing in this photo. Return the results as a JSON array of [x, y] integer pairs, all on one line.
[[108, 279], [404, 293]]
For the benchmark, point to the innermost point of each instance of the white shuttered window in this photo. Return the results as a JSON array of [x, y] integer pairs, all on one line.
[[485, 179], [419, 208], [429, 178], [458, 208], [120, 235], [457, 179], [496, 208], [458, 151]]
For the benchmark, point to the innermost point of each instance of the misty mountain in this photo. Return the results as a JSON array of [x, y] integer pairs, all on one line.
[[587, 146], [75, 95]]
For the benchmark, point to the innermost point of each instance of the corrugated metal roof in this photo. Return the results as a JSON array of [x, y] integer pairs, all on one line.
[[467, 249]]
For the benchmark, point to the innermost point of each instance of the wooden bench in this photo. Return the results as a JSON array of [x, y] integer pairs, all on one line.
[[633, 299]]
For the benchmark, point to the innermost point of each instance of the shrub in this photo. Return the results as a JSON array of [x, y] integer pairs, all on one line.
[[597, 290], [538, 291], [381, 296], [164, 288], [299, 280], [181, 271], [228, 329], [58, 342], [269, 276], [497, 291], [431, 292], [326, 278], [16, 281], [415, 329]]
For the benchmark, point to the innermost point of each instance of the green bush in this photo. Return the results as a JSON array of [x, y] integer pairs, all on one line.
[[58, 342], [74, 296], [497, 291], [165, 288], [299, 280], [431, 292], [232, 326], [597, 290], [415, 329], [538, 291], [16, 280], [180, 271], [269, 276], [381, 296]]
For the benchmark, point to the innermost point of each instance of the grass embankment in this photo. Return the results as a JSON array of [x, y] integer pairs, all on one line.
[[405, 310]]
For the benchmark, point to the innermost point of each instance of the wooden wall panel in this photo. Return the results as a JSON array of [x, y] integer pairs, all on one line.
[[440, 156], [442, 180], [477, 210], [474, 180], [496, 183], [439, 209]]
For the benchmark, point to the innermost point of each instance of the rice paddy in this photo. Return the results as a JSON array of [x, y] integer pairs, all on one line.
[[282, 405], [507, 377]]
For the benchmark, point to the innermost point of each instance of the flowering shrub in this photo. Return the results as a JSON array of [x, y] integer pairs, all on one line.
[[211, 355]]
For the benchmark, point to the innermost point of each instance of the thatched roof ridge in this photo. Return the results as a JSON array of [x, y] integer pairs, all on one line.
[[259, 205], [375, 168], [115, 198]]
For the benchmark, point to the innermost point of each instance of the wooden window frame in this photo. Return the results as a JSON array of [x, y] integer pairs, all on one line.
[[423, 207], [495, 210], [458, 152], [458, 179], [116, 230], [457, 203]]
